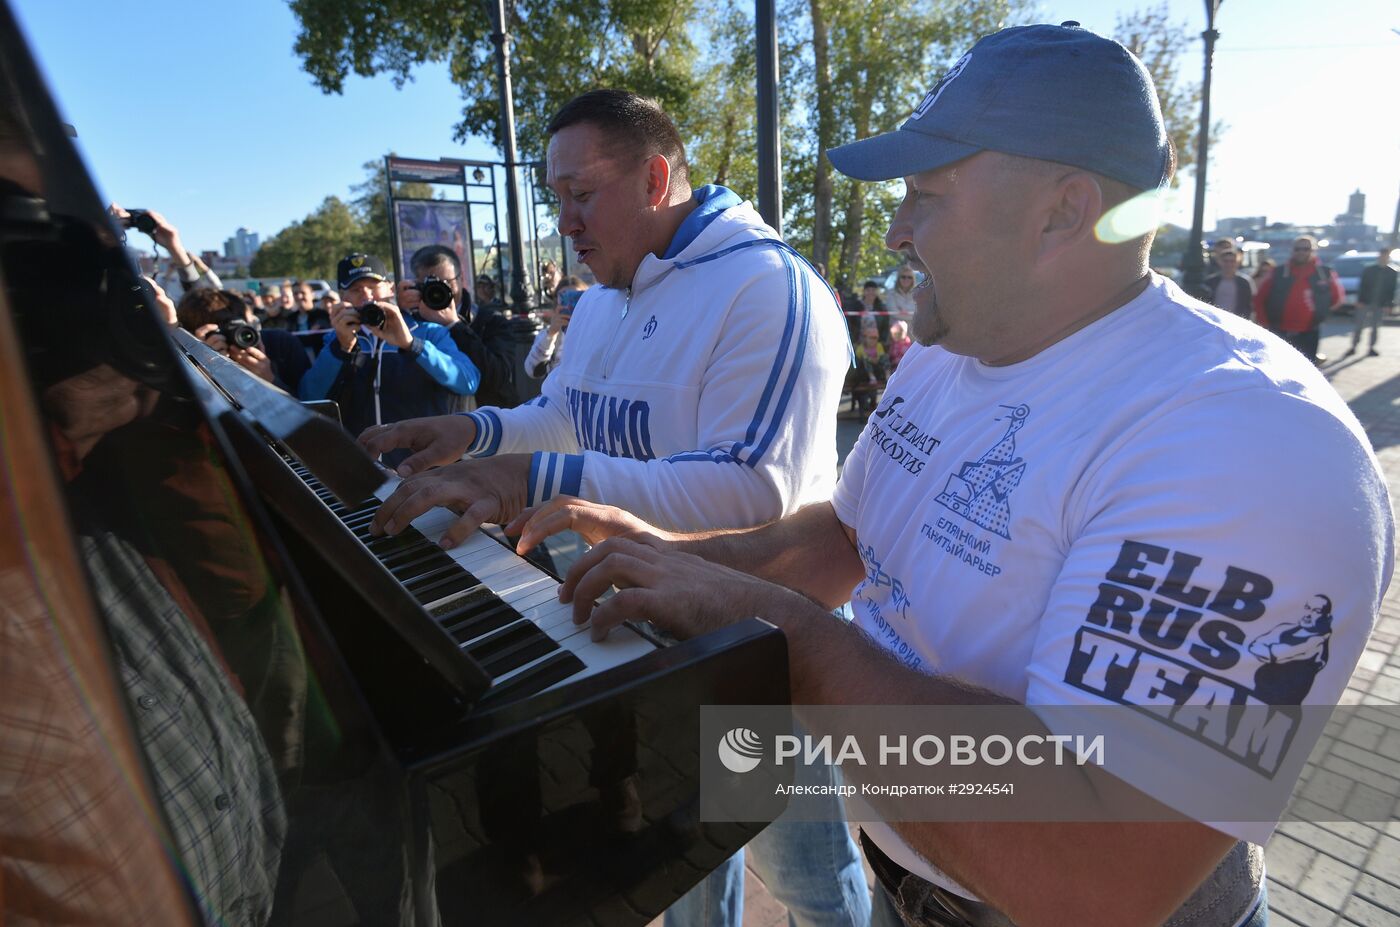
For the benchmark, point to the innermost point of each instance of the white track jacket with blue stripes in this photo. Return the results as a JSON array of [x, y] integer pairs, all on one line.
[[703, 397]]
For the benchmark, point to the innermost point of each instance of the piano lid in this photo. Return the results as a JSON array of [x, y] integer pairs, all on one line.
[[326, 449]]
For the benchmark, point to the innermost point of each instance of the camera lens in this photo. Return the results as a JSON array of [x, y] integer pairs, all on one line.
[[245, 336], [239, 334], [436, 294], [372, 315]]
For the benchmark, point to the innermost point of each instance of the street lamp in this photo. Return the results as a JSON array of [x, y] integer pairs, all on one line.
[[1395, 229], [500, 37], [1193, 267]]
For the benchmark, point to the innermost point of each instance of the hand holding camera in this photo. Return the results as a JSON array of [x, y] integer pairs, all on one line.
[[155, 225], [239, 342], [383, 316], [345, 319], [433, 297]]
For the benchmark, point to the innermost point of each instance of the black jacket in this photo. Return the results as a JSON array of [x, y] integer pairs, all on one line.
[[288, 357], [487, 340], [1377, 287], [1244, 295]]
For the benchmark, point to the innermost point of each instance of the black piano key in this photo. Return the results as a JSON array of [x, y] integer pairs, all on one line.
[[429, 573], [392, 543], [511, 647], [553, 669], [526, 651], [422, 571], [468, 606], [449, 585], [412, 556], [414, 574], [422, 547], [432, 577], [363, 517], [484, 619]]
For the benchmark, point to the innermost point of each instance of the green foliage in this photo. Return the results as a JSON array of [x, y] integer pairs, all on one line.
[[849, 69], [372, 207], [882, 56], [1160, 42], [557, 49], [313, 246]]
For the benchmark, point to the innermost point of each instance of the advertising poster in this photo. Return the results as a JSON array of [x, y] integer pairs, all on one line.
[[433, 222]]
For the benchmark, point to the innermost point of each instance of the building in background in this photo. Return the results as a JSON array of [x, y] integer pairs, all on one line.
[[242, 246], [1348, 232]]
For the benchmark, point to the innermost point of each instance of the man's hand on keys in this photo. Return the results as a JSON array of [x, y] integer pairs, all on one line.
[[492, 489], [435, 441]]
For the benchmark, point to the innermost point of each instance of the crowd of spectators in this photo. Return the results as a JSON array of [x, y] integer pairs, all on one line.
[[296, 325], [379, 348], [877, 319]]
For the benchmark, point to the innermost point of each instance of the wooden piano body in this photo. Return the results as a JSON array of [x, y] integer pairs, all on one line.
[[219, 704]]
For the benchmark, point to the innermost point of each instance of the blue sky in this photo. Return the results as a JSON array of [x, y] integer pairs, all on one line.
[[202, 111]]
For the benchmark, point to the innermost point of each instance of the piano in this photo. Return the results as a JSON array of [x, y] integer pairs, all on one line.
[[226, 703]]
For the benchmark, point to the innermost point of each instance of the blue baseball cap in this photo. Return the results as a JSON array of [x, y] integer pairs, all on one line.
[[1055, 93]]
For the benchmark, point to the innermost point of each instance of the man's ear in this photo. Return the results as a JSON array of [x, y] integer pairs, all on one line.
[[658, 180], [1074, 207]]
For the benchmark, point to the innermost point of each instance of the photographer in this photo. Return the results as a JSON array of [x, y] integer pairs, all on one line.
[[187, 271], [548, 349], [226, 323], [380, 366], [485, 338]]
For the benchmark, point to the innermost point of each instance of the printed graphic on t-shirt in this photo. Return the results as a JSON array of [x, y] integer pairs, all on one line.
[[617, 427], [899, 437], [884, 607], [981, 489], [1168, 630]]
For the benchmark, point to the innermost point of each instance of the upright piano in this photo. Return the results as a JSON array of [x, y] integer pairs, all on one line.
[[224, 702]]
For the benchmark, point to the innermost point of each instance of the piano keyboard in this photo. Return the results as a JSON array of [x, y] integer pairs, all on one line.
[[501, 610]]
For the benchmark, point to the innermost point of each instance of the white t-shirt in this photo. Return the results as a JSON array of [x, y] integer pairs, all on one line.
[[1136, 515]]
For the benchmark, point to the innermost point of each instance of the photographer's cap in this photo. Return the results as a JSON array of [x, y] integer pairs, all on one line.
[[1055, 93], [358, 266]]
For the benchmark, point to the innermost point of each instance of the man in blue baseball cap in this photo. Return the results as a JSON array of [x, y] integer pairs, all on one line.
[[1082, 487], [378, 363]]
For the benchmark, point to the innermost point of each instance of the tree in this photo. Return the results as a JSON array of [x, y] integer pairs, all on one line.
[[1153, 36], [721, 132], [312, 247], [557, 48], [869, 63], [371, 206]]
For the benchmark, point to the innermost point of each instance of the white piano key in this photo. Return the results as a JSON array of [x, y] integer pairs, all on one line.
[[622, 645], [533, 594]]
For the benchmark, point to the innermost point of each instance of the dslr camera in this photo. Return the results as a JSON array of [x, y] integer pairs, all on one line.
[[236, 331], [140, 220], [436, 293]]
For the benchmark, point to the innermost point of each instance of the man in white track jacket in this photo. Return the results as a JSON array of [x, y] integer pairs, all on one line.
[[699, 389]]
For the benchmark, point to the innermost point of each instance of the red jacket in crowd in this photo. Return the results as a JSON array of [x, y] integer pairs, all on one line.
[[1296, 308]]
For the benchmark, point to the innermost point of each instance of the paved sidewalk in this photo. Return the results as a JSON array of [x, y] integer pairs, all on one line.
[[1320, 875], [1349, 873]]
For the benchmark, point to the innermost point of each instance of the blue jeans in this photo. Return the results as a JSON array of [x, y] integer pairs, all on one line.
[[884, 914], [812, 867]]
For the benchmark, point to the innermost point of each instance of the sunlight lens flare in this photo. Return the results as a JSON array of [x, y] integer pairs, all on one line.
[[1135, 217]]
